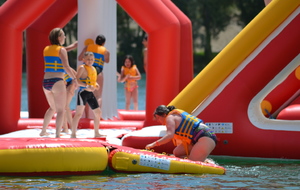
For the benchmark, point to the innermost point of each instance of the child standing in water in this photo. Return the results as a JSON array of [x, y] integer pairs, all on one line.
[[87, 80], [130, 75]]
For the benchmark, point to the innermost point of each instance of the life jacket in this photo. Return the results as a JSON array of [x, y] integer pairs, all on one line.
[[130, 84], [67, 78], [185, 130], [91, 79], [52, 60], [98, 54]]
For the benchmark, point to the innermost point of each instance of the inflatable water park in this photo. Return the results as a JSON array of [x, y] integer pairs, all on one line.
[[248, 94]]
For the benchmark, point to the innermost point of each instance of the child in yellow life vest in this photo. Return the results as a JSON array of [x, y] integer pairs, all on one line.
[[102, 55], [87, 81], [130, 75], [191, 136]]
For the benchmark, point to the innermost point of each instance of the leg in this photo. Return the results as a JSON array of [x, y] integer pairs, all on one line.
[[76, 118], [135, 98], [97, 114], [180, 152], [65, 127], [59, 93], [49, 113], [98, 93], [202, 149], [127, 99], [68, 114]]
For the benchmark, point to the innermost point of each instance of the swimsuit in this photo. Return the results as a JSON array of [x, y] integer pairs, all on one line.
[[52, 63], [48, 83], [84, 96], [130, 84], [190, 130], [87, 97], [203, 131]]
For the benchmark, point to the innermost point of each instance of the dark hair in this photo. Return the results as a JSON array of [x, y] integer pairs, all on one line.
[[163, 110], [53, 36], [100, 39], [146, 37], [130, 58]]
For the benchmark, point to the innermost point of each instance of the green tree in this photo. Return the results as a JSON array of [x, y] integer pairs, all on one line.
[[129, 37], [248, 10], [209, 18], [71, 31]]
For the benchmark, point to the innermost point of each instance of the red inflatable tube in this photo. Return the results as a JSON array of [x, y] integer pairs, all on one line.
[[141, 142], [282, 93], [84, 123], [132, 115], [291, 112]]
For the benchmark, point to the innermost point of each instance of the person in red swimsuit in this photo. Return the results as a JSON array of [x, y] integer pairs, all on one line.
[[130, 74]]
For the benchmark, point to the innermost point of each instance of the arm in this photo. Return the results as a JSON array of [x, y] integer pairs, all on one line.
[[106, 56], [70, 71], [64, 58], [138, 75], [80, 57], [171, 125], [119, 76], [122, 78], [80, 71], [72, 46], [145, 59]]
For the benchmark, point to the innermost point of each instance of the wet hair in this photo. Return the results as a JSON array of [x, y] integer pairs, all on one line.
[[53, 36], [130, 58], [88, 53], [163, 110], [146, 38], [100, 39]]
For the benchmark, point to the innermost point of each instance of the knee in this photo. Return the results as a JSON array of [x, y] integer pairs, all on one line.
[[97, 112], [175, 153]]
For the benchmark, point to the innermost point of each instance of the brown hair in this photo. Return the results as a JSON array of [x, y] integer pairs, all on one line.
[[53, 36], [163, 110]]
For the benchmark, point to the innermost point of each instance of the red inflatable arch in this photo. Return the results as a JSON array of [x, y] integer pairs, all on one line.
[[15, 17], [166, 26], [38, 32]]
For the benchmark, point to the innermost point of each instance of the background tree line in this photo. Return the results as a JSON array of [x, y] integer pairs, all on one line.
[[208, 17]]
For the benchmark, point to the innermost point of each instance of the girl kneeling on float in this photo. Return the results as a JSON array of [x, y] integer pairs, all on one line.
[[192, 138]]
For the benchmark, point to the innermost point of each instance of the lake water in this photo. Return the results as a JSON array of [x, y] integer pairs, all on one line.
[[120, 95], [242, 173]]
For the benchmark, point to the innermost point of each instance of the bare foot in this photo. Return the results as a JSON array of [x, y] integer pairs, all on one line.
[[44, 133], [73, 136], [210, 161], [99, 136], [65, 131]]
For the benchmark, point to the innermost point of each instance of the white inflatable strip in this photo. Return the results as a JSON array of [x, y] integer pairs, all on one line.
[[254, 110]]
